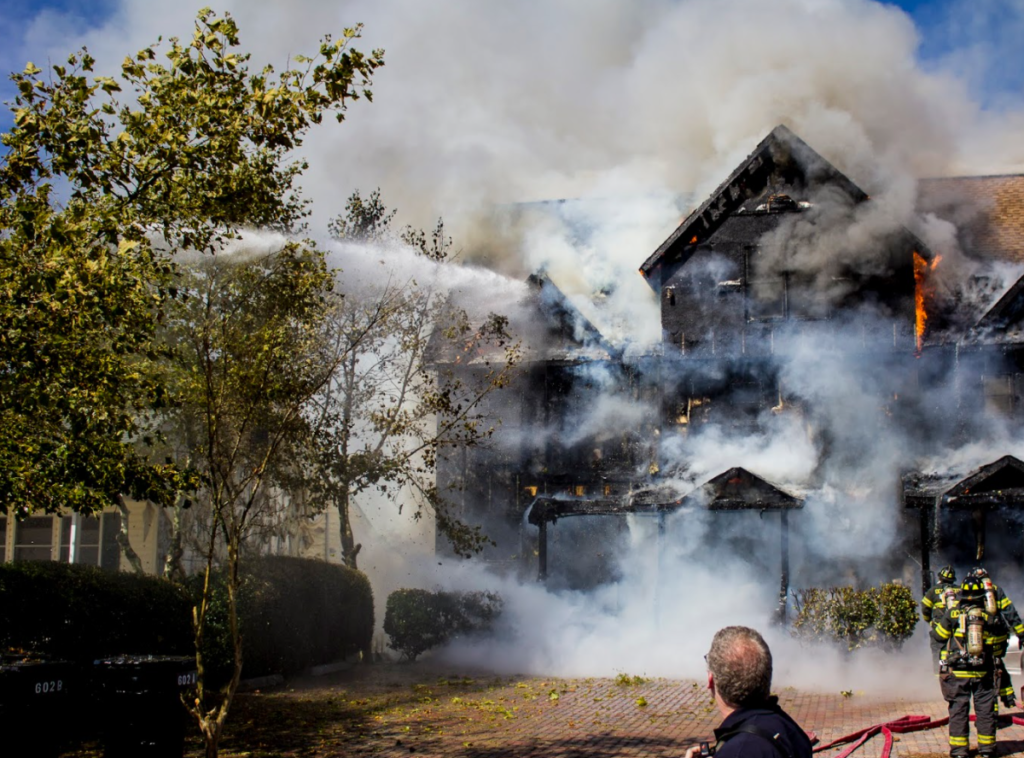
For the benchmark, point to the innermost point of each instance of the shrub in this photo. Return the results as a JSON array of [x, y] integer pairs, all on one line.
[[897, 614], [80, 613], [293, 613], [298, 613], [418, 620], [878, 616]]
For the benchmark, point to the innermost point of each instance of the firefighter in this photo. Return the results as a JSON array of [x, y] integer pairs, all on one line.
[[969, 669], [1007, 619], [938, 599]]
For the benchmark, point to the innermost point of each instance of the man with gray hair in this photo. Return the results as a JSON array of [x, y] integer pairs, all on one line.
[[740, 679]]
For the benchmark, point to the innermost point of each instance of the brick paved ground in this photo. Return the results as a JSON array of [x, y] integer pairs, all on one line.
[[392, 710]]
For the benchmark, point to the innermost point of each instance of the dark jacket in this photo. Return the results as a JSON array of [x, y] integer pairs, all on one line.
[[935, 601], [946, 629], [1007, 611], [774, 721]]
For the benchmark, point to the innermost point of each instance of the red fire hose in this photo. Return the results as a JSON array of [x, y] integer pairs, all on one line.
[[899, 726]]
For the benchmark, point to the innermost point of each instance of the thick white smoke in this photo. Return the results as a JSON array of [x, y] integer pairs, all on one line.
[[481, 104], [628, 106]]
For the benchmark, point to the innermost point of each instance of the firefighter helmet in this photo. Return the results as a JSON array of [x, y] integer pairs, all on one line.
[[947, 575], [979, 573], [972, 592]]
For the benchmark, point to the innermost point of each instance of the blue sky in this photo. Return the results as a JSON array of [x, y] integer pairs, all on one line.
[[981, 40], [15, 16]]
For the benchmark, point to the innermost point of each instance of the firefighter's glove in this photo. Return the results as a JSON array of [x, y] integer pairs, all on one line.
[[1009, 700]]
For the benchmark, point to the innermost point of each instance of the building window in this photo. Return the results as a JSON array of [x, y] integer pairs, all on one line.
[[80, 540], [90, 540], [1001, 393], [767, 300], [33, 539], [694, 410], [110, 551]]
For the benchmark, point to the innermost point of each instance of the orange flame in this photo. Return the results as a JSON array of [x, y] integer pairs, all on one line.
[[921, 268], [920, 316], [694, 240]]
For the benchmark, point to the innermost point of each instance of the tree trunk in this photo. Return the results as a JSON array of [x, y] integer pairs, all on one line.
[[349, 548], [122, 539], [211, 722], [173, 569]]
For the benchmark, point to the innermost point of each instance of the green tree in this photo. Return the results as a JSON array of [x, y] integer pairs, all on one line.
[[99, 199], [398, 401], [246, 338], [94, 192]]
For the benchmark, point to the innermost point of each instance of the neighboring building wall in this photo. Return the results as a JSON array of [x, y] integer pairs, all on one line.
[[87, 540], [988, 212]]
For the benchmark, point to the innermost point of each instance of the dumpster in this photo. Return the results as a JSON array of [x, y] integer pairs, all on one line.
[[141, 700], [41, 697]]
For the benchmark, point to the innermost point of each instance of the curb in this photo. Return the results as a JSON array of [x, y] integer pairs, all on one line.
[[277, 680]]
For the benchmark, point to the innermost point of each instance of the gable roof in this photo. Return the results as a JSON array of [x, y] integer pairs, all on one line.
[[1000, 482], [1007, 311], [739, 489], [550, 326], [1002, 474], [563, 319], [780, 158]]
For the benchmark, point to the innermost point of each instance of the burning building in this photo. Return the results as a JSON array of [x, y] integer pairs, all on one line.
[[835, 396]]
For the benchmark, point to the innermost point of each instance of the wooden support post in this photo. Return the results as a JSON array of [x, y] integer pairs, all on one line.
[[784, 544], [979, 519], [926, 515], [659, 568], [542, 552]]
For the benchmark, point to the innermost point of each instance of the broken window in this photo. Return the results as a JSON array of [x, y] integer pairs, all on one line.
[[692, 411]]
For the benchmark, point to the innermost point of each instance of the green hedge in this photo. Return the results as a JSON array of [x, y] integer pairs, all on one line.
[[418, 620], [876, 617], [75, 612], [294, 613], [298, 613]]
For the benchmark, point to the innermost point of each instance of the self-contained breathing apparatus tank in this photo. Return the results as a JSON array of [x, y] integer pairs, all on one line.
[[975, 633], [972, 630], [981, 577], [972, 619], [948, 597], [990, 596]]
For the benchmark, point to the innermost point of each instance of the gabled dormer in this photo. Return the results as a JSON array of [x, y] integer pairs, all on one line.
[[774, 179], [787, 238], [567, 329]]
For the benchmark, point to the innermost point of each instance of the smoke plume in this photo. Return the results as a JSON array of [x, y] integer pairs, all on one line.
[[636, 110]]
